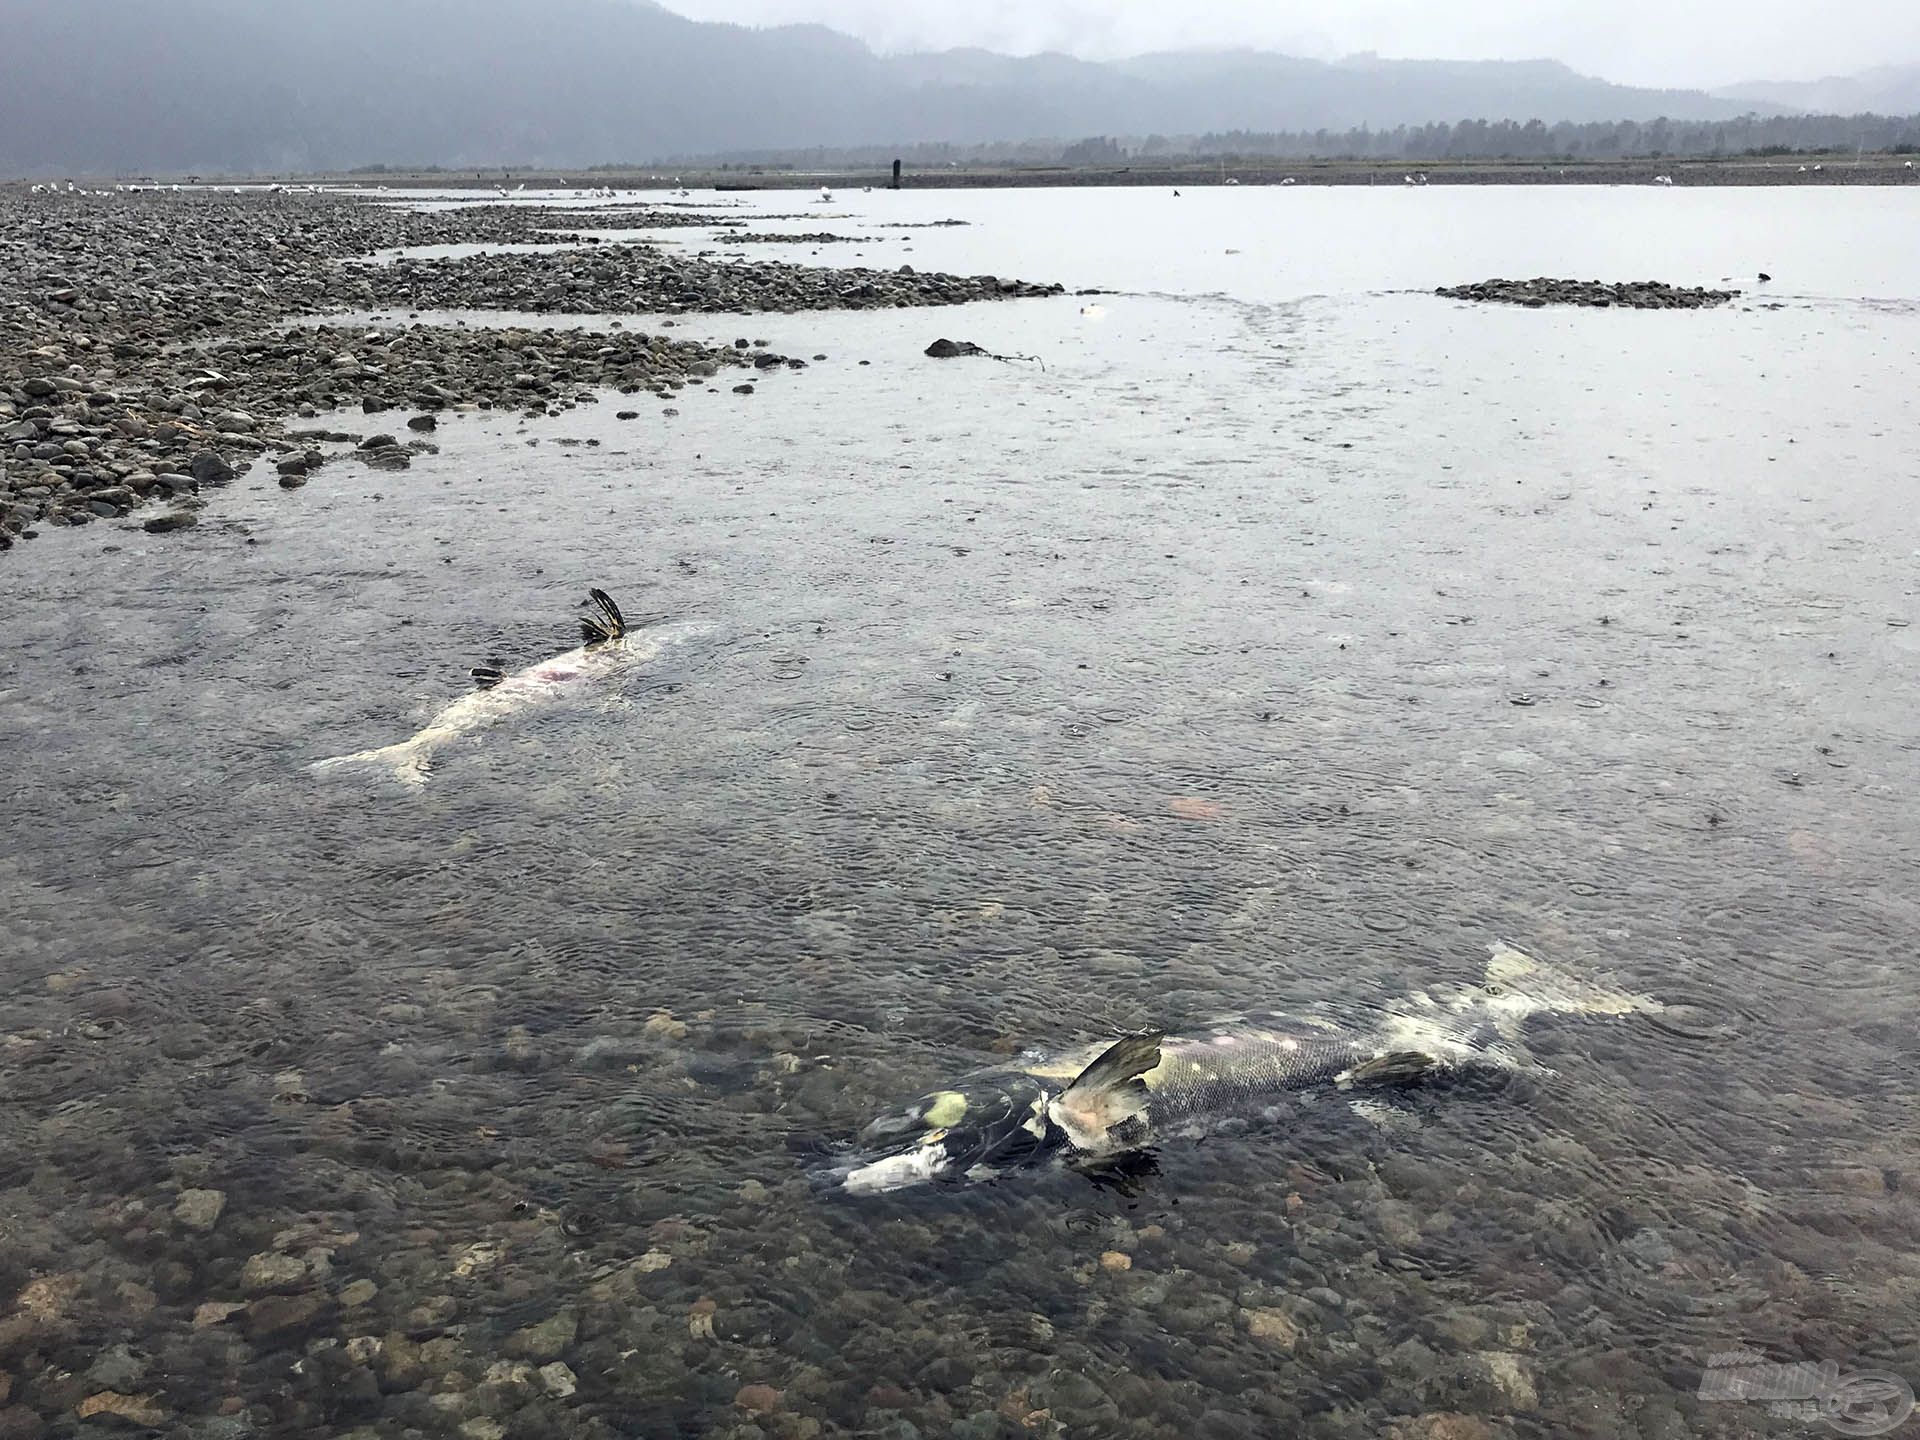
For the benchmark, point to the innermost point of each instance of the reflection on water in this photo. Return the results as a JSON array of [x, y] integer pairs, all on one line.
[[1245, 655]]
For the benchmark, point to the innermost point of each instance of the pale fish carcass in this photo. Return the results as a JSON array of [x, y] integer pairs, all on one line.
[[1112, 1098], [608, 650]]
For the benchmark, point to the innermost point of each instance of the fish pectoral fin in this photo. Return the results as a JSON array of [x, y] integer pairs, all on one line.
[[487, 676], [1103, 1109], [609, 624], [1396, 1067], [1126, 1174]]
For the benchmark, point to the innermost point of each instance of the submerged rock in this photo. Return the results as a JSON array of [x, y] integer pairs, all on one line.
[[548, 1340], [140, 1409], [198, 1210]]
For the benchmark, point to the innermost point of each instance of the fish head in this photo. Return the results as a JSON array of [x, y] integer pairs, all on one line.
[[987, 1124]]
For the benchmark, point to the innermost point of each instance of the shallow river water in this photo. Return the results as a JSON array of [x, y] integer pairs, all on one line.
[[1281, 635]]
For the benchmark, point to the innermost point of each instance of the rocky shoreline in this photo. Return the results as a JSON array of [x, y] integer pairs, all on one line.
[[640, 278], [144, 349], [818, 237], [1628, 295]]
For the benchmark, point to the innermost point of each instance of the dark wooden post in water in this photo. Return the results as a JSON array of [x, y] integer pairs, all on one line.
[[896, 174]]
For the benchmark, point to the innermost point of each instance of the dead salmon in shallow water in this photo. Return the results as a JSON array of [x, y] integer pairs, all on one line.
[[1113, 1097], [609, 650]]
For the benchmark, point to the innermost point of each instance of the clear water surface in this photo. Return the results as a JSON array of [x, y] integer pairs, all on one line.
[[1281, 635]]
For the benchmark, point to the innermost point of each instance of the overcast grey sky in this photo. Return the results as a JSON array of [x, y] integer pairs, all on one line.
[[1640, 42]]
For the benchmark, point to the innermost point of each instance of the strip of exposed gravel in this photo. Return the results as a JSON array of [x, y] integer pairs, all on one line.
[[1628, 295], [144, 354]]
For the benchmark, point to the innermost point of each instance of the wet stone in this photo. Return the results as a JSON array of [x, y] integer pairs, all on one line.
[[1441, 1425], [198, 1210], [270, 1271], [664, 1027], [280, 1314], [548, 1340], [119, 1368], [209, 468], [1494, 1381], [757, 1399], [138, 1409], [1275, 1327]]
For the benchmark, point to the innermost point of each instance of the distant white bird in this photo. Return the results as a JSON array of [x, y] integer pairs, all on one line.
[[1287, 181], [826, 196], [1818, 168], [1232, 181], [1663, 179]]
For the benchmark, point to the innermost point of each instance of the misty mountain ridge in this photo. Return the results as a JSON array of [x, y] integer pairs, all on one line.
[[274, 86], [1883, 90]]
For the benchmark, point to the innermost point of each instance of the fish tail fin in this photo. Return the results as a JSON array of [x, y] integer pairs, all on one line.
[[609, 624], [1104, 1109], [405, 762], [1518, 985]]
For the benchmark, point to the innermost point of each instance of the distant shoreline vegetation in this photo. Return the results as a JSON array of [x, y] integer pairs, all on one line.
[[1745, 137]]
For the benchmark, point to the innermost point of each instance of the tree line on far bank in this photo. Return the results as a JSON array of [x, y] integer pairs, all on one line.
[[1744, 136]]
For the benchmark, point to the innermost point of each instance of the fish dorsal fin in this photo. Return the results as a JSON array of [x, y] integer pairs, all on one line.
[[1396, 1067], [487, 676], [1107, 1095], [609, 624]]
